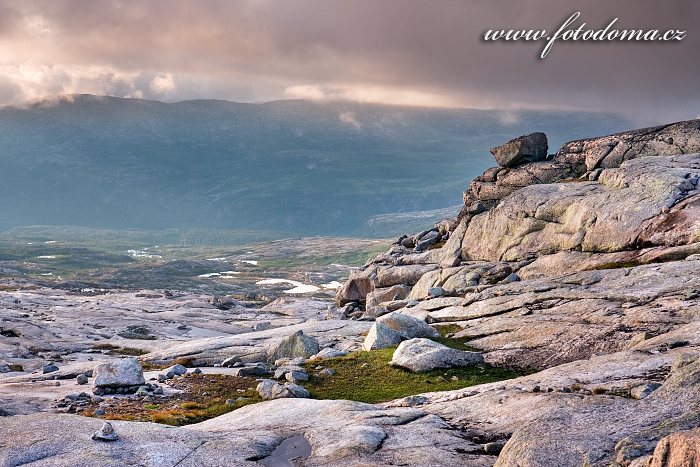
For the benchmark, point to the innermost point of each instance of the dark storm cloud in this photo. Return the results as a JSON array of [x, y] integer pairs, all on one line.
[[401, 51]]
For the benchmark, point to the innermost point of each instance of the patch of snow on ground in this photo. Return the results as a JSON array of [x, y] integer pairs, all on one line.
[[298, 286], [332, 285], [250, 261], [46, 257]]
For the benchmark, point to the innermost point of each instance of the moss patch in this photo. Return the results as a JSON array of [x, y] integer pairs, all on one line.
[[203, 397], [368, 377]]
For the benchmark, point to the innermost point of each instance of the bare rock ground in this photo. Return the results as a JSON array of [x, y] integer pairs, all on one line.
[[581, 269]]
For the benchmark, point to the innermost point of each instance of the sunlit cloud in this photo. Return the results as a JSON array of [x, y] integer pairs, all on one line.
[[400, 52]]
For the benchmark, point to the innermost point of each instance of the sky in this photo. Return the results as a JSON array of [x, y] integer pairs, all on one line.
[[407, 52]]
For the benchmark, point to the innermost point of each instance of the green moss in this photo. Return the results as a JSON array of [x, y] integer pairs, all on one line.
[[368, 377]]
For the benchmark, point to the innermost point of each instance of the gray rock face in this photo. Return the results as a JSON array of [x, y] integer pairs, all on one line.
[[418, 355], [407, 326], [650, 201], [121, 373], [296, 345], [381, 336], [527, 148]]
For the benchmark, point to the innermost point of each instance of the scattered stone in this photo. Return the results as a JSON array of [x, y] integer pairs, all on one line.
[[327, 372], [494, 447], [297, 391], [269, 389], [644, 390], [262, 326], [106, 433], [296, 345], [407, 326], [229, 362], [49, 368], [381, 336], [81, 379], [256, 369], [296, 376], [329, 352], [136, 331], [175, 370]]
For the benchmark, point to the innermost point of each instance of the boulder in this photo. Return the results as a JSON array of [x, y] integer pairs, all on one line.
[[678, 449], [381, 336], [175, 370], [419, 355], [297, 391], [269, 390], [329, 352], [296, 345], [526, 148], [356, 288], [120, 373], [407, 326], [387, 294]]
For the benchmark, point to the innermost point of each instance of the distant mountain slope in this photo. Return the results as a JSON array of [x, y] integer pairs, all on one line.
[[293, 166]]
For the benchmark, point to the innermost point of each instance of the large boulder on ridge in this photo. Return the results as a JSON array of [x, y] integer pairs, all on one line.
[[526, 148]]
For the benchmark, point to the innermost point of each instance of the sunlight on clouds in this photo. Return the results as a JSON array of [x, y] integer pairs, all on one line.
[[163, 83], [369, 94]]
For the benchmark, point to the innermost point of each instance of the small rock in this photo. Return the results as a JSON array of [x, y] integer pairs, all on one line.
[[297, 391], [296, 376], [196, 371], [644, 390], [329, 352], [494, 447], [263, 326], [49, 368], [229, 362], [175, 370], [81, 379], [99, 412], [106, 433], [269, 389], [327, 372]]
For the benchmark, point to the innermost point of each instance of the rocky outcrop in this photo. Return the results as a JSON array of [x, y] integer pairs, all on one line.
[[527, 148]]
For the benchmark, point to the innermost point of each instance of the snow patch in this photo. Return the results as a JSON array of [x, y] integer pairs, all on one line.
[[297, 289]]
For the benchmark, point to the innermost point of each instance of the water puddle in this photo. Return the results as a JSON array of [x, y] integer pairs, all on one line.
[[289, 450]]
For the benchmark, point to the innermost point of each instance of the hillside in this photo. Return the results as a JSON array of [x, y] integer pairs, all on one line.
[[290, 167]]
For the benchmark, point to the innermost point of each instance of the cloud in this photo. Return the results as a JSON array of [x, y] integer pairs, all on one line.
[[349, 118], [407, 52], [162, 83]]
